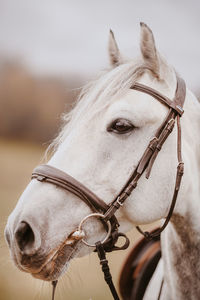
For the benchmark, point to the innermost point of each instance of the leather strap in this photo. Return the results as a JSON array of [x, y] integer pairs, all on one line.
[[50, 174], [161, 98], [106, 270], [47, 173]]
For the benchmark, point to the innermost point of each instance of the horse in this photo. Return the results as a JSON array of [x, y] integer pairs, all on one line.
[[100, 145]]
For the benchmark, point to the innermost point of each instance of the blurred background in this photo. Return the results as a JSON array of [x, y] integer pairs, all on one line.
[[48, 50]]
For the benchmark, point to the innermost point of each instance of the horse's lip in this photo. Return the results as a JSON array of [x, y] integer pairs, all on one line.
[[54, 266], [51, 256]]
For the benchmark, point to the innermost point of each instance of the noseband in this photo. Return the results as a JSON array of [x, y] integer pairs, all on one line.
[[106, 213]]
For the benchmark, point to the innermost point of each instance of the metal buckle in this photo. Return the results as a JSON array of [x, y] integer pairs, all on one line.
[[97, 215], [118, 201], [180, 109], [40, 178], [153, 143]]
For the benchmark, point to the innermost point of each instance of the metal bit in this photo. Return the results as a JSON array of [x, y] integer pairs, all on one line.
[[75, 236]]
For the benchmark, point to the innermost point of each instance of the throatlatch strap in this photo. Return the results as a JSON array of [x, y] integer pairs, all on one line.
[[179, 174]]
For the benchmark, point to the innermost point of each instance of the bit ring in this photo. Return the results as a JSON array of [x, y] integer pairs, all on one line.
[[97, 215]]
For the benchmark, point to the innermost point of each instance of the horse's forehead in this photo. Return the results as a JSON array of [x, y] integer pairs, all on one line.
[[136, 102], [133, 97]]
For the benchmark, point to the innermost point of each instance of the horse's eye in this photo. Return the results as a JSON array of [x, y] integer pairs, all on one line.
[[120, 126]]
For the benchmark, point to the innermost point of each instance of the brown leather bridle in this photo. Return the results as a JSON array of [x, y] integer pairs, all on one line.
[[47, 173]]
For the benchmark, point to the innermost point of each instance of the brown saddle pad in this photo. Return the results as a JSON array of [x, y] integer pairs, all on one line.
[[139, 268]]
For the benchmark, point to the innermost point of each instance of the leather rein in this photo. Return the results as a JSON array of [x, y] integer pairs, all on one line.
[[106, 213]]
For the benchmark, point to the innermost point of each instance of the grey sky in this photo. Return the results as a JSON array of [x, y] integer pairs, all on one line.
[[62, 36]]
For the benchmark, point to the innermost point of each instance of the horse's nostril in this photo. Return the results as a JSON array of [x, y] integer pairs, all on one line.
[[24, 236]]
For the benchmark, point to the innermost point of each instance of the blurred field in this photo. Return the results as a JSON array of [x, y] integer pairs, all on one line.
[[30, 105], [84, 279]]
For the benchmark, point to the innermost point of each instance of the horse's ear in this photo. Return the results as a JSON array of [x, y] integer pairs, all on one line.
[[113, 50], [148, 49]]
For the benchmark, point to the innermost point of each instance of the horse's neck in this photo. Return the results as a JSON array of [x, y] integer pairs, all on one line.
[[181, 239], [180, 252]]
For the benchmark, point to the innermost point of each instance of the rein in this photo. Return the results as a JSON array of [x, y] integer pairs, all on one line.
[[106, 213]]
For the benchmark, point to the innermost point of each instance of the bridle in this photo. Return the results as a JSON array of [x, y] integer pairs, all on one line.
[[106, 213]]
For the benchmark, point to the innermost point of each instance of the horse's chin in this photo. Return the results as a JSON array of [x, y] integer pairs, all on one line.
[[49, 273], [51, 267], [58, 264]]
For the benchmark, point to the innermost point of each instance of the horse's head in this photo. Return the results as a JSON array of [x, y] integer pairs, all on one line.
[[101, 144]]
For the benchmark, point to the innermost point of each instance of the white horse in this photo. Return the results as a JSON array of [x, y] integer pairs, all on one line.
[[90, 149]]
